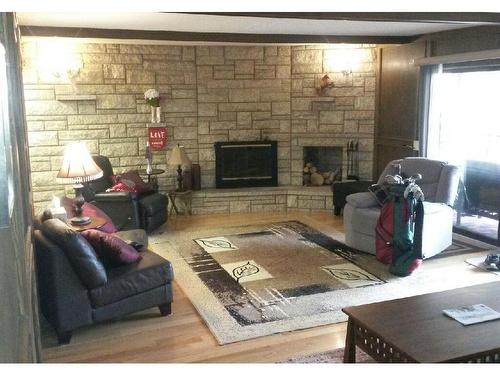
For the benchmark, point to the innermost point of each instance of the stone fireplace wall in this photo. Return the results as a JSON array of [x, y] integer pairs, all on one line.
[[209, 94], [347, 112]]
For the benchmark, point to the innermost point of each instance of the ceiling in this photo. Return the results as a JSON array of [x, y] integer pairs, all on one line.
[[250, 27]]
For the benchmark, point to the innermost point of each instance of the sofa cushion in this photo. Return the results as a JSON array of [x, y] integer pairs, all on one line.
[[111, 250], [430, 171], [428, 168], [80, 253], [104, 182], [125, 281]]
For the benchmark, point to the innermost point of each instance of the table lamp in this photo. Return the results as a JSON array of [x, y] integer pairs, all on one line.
[[78, 167], [179, 157]]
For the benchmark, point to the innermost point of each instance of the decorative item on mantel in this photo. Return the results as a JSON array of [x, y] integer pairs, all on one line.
[[324, 84], [152, 97]]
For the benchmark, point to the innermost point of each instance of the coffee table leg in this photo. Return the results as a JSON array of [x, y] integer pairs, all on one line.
[[350, 344]]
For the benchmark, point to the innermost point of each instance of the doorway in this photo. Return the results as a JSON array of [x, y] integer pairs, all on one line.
[[464, 129]]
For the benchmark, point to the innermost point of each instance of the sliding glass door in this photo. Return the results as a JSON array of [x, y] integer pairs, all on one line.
[[464, 129]]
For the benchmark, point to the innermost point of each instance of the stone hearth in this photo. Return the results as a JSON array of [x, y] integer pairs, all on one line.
[[263, 199]]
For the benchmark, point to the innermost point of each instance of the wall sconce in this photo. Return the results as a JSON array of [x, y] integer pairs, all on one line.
[[344, 59], [325, 84], [346, 71], [58, 58]]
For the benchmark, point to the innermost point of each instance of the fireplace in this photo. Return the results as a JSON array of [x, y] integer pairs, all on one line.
[[322, 165], [246, 164]]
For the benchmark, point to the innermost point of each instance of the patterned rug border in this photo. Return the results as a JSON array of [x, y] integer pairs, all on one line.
[[226, 330], [334, 356]]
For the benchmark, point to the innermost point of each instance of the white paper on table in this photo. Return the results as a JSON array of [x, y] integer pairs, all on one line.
[[472, 314]]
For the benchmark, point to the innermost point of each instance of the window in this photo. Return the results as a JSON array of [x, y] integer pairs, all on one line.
[[464, 129], [464, 116]]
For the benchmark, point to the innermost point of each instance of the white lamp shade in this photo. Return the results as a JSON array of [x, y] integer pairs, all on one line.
[[78, 166], [179, 156]]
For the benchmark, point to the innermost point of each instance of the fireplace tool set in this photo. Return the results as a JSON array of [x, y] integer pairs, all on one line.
[[353, 160]]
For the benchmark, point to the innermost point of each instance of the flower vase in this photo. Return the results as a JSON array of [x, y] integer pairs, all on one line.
[[155, 115]]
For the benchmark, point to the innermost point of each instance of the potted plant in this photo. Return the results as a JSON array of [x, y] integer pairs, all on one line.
[[152, 97]]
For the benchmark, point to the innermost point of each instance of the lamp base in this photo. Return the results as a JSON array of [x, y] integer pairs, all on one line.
[[180, 186], [79, 201], [80, 220]]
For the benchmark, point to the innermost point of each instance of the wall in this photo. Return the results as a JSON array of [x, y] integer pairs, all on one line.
[[19, 331], [209, 94], [470, 39]]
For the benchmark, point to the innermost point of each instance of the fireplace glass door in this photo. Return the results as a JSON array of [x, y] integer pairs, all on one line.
[[246, 164]]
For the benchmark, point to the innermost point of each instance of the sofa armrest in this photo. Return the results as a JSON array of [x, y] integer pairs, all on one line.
[[123, 212], [63, 297], [115, 196], [138, 238], [362, 200]]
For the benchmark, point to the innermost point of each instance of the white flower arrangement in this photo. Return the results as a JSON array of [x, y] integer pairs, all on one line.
[[152, 97]]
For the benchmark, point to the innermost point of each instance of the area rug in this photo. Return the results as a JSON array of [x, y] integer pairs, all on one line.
[[331, 356], [256, 280]]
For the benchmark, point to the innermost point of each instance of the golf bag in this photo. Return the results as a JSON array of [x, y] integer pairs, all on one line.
[[398, 237]]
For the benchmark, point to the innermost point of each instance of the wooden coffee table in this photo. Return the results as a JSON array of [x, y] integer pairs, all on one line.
[[415, 329]]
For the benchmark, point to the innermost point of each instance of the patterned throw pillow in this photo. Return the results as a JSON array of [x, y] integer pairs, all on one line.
[[132, 180], [111, 250]]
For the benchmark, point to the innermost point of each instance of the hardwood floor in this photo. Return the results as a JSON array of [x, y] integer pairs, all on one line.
[[183, 336]]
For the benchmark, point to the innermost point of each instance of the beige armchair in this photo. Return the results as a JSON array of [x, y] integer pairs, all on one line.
[[440, 185]]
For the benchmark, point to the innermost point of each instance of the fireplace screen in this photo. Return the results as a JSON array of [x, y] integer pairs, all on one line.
[[246, 164]]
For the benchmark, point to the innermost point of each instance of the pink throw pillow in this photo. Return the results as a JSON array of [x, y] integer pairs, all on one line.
[[123, 186], [132, 178], [112, 250]]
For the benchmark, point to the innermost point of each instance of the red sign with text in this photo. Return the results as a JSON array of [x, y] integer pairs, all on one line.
[[157, 138]]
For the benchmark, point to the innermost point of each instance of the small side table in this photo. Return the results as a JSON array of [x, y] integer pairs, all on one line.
[[152, 176], [185, 197], [96, 223]]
